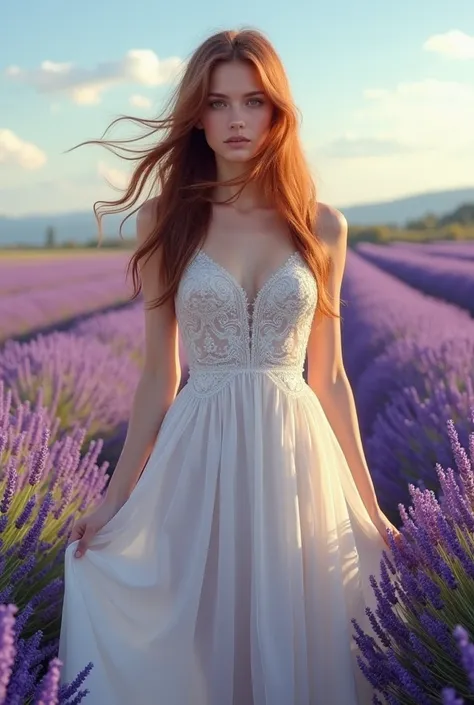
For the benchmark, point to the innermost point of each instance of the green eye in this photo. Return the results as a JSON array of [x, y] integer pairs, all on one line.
[[215, 104]]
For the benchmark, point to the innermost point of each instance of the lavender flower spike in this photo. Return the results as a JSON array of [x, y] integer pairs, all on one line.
[[48, 694], [7, 646]]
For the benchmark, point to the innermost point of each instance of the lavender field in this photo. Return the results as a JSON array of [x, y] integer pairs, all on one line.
[[65, 399], [446, 249], [449, 279], [409, 358], [36, 293]]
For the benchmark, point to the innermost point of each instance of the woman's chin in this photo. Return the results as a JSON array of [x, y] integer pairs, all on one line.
[[236, 157]]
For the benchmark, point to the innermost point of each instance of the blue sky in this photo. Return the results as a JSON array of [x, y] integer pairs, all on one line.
[[386, 90]]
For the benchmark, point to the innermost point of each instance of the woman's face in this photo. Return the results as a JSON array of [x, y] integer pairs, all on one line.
[[236, 107]]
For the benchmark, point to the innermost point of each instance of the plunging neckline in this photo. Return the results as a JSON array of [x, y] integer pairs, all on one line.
[[239, 286]]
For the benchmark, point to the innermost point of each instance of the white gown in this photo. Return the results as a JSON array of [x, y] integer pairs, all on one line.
[[230, 575]]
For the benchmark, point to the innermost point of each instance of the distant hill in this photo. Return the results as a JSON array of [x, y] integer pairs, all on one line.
[[80, 227], [398, 212], [463, 215]]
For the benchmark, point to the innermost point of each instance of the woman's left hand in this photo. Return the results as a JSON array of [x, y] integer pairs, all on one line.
[[382, 524]]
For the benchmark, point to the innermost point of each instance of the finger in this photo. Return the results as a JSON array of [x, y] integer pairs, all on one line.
[[74, 535], [80, 550], [83, 543]]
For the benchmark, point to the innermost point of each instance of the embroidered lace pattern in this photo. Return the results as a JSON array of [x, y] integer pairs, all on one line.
[[225, 334]]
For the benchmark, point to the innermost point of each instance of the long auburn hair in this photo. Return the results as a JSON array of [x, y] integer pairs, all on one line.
[[180, 168]]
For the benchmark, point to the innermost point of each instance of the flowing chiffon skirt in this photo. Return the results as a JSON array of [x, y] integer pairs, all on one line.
[[232, 572]]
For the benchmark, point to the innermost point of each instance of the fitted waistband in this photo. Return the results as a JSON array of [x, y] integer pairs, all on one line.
[[206, 381]]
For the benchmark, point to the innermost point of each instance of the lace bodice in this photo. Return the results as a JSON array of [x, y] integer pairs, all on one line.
[[224, 333]]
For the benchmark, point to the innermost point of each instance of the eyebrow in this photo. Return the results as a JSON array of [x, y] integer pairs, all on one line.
[[246, 95]]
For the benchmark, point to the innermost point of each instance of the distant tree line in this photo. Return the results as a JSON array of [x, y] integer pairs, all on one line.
[[52, 243], [457, 225]]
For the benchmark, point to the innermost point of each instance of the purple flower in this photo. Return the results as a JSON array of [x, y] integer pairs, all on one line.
[[377, 628], [67, 690], [434, 568], [463, 463], [31, 561], [40, 458], [431, 590], [7, 646], [32, 537], [455, 499], [387, 586], [455, 548], [467, 652], [407, 681], [10, 489], [48, 694], [21, 662], [26, 512], [23, 570], [449, 697]]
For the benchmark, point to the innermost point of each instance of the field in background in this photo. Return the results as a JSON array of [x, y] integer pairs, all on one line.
[[408, 335], [39, 290], [41, 253]]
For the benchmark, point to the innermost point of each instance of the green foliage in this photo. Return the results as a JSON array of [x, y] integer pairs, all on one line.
[[458, 225], [464, 215]]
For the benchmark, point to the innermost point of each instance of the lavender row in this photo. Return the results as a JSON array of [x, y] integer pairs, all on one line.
[[409, 360], [46, 482], [18, 275], [124, 332], [449, 249], [87, 375], [450, 280], [77, 378], [34, 309]]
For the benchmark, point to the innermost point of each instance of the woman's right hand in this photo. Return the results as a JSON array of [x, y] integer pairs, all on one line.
[[87, 526]]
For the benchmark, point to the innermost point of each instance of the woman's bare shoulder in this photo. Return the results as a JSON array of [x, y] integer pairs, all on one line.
[[331, 226]]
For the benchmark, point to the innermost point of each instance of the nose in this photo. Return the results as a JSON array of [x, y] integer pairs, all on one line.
[[235, 124]]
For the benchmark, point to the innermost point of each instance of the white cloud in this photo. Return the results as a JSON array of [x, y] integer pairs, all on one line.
[[412, 118], [415, 136], [427, 114], [350, 145], [86, 86], [140, 101], [55, 193], [144, 67], [15, 151], [415, 117], [117, 178], [453, 45]]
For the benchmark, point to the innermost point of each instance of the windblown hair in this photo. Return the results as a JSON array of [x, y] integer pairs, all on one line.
[[180, 168]]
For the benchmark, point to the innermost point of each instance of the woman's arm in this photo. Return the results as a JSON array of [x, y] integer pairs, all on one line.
[[160, 378], [326, 374]]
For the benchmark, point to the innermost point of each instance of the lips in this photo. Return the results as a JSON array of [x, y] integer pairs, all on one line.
[[237, 139]]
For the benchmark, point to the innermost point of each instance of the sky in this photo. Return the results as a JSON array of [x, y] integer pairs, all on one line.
[[385, 90]]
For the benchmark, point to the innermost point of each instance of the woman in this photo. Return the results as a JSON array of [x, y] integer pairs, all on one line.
[[240, 527]]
